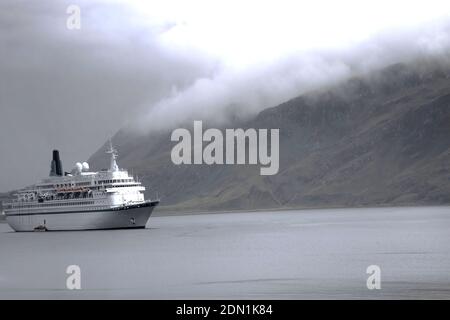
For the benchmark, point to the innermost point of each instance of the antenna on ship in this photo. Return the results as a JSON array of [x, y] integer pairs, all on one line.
[[113, 166]]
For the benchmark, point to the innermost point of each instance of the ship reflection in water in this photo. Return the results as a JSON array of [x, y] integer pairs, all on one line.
[[286, 254]]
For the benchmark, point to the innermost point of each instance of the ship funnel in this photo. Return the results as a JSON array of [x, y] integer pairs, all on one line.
[[56, 165]]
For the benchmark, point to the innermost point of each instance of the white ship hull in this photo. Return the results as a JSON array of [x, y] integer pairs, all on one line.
[[133, 216]]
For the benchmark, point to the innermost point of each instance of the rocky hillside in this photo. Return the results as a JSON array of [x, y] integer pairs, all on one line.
[[381, 139]]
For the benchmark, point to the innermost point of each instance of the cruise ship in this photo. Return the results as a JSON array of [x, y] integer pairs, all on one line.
[[81, 200]]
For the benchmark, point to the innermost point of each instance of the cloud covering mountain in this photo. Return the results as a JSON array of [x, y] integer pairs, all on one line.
[[151, 65], [378, 140]]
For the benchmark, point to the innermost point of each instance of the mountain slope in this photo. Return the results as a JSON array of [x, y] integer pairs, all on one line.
[[383, 139]]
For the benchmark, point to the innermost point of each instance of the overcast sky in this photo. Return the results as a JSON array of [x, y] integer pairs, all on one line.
[[165, 61]]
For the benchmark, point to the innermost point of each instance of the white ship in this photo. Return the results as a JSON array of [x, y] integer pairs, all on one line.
[[81, 200]]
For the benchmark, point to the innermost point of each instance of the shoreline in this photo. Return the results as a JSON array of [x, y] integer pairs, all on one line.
[[168, 212]]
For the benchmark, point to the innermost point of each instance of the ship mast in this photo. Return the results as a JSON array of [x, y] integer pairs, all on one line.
[[113, 165]]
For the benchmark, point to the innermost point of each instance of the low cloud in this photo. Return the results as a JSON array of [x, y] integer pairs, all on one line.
[[72, 89], [243, 92], [149, 65]]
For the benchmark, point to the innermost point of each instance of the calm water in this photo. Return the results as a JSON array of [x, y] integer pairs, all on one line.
[[286, 255]]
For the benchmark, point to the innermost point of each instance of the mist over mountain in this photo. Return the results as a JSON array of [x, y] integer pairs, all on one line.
[[379, 139], [163, 62]]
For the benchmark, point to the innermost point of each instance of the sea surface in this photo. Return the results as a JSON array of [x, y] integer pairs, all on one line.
[[305, 254]]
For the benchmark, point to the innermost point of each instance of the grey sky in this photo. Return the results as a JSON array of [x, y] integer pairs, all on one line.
[[71, 89], [163, 62]]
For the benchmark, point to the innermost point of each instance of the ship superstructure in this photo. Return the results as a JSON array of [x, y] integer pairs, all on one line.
[[81, 200]]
